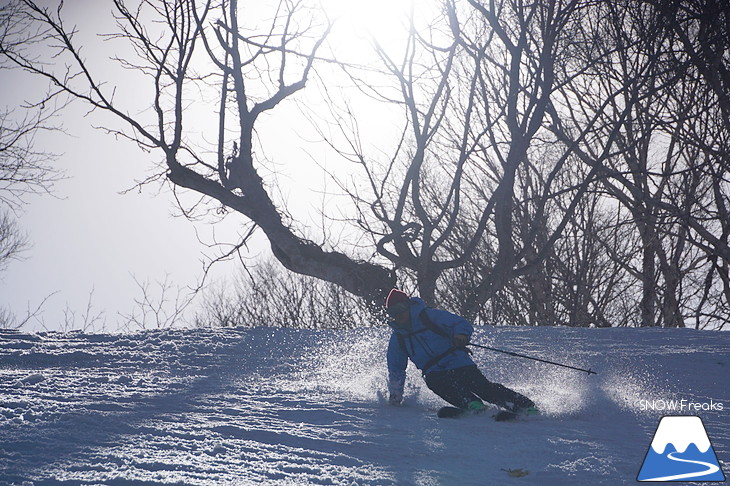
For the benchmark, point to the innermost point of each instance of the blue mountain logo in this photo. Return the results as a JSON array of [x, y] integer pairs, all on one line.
[[681, 451]]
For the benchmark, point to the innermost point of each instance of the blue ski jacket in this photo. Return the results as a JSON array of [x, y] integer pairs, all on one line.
[[422, 345]]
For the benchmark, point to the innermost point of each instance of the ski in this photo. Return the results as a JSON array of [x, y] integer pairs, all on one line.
[[500, 416], [504, 415], [453, 412]]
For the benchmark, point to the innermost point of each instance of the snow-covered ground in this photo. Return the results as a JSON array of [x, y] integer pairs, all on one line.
[[289, 407]]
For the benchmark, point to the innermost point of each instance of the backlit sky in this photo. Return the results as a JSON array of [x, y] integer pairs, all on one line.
[[90, 238]]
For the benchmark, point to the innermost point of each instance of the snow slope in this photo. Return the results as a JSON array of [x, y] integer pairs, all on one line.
[[289, 407]]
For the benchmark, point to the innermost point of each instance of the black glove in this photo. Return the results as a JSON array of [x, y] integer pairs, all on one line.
[[460, 340]]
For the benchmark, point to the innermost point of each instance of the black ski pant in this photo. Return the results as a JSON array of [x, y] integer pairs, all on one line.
[[467, 384]]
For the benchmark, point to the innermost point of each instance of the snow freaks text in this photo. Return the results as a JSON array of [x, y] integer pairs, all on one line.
[[680, 406]]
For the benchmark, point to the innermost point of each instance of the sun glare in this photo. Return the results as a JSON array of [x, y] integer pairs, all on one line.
[[368, 18], [359, 22]]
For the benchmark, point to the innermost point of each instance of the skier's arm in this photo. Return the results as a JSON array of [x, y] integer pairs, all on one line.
[[397, 363]]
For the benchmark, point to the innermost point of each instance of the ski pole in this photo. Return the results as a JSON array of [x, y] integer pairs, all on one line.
[[589, 371]]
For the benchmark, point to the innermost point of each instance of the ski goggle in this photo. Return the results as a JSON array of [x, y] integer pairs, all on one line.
[[397, 309]]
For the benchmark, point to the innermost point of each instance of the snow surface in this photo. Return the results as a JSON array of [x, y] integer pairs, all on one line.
[[289, 407]]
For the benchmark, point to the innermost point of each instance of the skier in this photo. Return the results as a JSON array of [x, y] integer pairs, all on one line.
[[435, 341]]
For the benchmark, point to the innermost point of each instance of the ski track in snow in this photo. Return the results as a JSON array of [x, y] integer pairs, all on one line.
[[289, 407]]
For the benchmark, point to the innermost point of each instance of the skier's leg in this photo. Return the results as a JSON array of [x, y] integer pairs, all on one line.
[[450, 386], [494, 392]]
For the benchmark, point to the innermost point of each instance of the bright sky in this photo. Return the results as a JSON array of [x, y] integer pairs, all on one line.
[[90, 238]]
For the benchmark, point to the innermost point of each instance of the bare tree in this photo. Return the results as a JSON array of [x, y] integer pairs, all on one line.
[[520, 122], [158, 306], [665, 146], [503, 100], [24, 170], [702, 29], [476, 88], [12, 241], [268, 295], [190, 45]]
